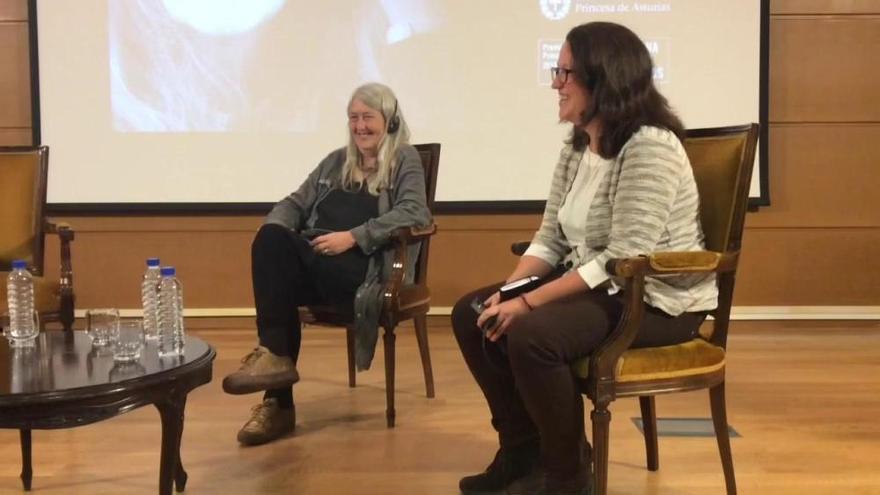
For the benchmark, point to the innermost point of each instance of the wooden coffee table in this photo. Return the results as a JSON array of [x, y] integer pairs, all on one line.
[[63, 382]]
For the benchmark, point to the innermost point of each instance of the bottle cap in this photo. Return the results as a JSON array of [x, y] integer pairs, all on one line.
[[168, 271], [19, 264], [152, 261]]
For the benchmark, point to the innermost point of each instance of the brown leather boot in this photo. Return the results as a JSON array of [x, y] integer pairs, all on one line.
[[261, 370], [268, 422]]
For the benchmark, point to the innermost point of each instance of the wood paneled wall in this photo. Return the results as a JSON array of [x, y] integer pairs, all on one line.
[[15, 79], [814, 246]]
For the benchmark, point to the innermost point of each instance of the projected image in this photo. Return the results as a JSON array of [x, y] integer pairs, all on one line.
[[235, 101], [217, 65]]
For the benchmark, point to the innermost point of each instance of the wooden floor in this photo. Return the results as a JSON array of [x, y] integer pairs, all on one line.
[[804, 396]]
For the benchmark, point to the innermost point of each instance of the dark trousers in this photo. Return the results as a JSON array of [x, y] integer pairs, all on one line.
[[286, 274], [536, 396]]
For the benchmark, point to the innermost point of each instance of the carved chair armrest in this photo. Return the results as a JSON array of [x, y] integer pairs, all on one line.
[[62, 229], [66, 235], [519, 247], [409, 235], [603, 361], [633, 272], [678, 262], [401, 239]]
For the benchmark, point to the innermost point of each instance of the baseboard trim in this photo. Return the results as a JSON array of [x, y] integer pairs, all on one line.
[[187, 312], [775, 312], [737, 313], [805, 313]]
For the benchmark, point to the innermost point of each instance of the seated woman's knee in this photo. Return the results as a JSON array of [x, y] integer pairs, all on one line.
[[527, 340], [269, 234]]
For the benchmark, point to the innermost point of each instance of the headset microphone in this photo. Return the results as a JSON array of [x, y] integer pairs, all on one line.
[[394, 121]]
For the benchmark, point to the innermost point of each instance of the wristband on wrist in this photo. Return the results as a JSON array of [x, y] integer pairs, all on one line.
[[526, 302]]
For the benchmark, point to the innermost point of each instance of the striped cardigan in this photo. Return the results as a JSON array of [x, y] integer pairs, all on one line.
[[646, 202]]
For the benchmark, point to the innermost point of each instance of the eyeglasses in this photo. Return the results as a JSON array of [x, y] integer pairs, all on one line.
[[560, 74]]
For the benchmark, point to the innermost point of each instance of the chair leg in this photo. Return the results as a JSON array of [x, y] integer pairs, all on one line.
[[26, 470], [601, 419], [719, 419], [421, 323], [349, 341], [649, 428], [389, 338]]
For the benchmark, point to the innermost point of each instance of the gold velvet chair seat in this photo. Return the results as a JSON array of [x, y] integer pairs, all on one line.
[[692, 358]]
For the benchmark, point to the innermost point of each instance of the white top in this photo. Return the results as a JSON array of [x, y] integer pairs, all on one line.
[[573, 217]]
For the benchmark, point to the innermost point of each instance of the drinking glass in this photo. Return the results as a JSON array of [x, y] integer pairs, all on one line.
[[128, 340], [100, 323]]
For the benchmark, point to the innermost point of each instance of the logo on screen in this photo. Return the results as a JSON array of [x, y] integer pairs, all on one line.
[[555, 9]]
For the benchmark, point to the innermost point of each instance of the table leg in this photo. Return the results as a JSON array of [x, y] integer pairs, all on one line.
[[180, 475], [26, 471], [171, 412]]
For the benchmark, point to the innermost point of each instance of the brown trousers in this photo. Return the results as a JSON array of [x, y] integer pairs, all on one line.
[[534, 394]]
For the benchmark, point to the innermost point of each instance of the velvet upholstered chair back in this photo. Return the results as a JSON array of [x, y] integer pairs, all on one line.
[[722, 159], [22, 199]]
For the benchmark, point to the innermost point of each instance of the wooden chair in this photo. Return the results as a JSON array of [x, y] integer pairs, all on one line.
[[401, 301], [722, 160], [23, 177], [23, 172]]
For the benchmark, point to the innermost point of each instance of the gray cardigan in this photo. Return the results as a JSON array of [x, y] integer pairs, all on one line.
[[402, 204], [647, 202]]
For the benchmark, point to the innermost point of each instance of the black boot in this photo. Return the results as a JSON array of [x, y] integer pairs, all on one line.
[[508, 467], [581, 484]]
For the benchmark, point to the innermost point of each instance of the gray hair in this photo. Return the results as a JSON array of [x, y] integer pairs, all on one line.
[[380, 98]]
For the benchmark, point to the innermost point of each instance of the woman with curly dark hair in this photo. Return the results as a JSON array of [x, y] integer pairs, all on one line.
[[623, 186]]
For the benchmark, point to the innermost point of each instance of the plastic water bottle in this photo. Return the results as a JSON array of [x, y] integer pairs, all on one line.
[[150, 298], [171, 338], [20, 296]]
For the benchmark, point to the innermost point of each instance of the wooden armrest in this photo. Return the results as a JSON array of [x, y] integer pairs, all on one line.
[[633, 271], [391, 290], [519, 248], [66, 235], [62, 229], [409, 235], [676, 262], [627, 267], [603, 361]]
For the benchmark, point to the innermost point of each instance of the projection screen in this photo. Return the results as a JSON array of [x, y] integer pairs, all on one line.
[[222, 103]]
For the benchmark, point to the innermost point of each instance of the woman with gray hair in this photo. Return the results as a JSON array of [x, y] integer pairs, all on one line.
[[323, 244]]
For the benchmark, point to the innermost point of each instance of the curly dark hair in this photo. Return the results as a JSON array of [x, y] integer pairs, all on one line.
[[615, 66]]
